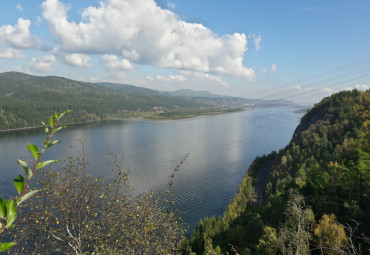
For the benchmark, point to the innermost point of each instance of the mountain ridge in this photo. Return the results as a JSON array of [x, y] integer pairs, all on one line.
[[24, 99]]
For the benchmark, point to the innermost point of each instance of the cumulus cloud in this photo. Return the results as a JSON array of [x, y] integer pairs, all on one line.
[[203, 77], [362, 87], [38, 21], [142, 32], [297, 87], [43, 64], [112, 63], [19, 7], [273, 68], [46, 48], [327, 90], [76, 59], [167, 78], [171, 6], [195, 78], [257, 41], [11, 53], [19, 35]]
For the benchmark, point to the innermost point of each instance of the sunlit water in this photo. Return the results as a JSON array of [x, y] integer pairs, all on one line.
[[220, 149]]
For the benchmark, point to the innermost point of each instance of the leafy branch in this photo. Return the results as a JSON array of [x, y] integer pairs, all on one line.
[[8, 209]]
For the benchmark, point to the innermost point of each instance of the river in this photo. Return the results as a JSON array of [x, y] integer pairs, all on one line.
[[220, 149]]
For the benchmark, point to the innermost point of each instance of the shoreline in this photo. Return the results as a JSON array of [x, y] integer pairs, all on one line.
[[65, 124], [150, 117], [142, 117]]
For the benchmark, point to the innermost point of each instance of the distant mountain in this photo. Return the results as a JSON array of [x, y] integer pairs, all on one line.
[[132, 89], [26, 99], [178, 93], [188, 93]]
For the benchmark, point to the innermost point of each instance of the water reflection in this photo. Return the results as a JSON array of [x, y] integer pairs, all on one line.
[[220, 150]]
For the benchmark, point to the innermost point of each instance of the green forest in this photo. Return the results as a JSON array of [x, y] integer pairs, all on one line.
[[312, 197], [26, 99]]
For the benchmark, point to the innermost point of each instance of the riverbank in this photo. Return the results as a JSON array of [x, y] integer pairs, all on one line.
[[165, 115]]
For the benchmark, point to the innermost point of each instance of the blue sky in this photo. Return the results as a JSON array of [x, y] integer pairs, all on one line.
[[296, 50]]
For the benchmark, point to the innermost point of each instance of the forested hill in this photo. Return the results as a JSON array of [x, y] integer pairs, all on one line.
[[26, 99], [311, 197]]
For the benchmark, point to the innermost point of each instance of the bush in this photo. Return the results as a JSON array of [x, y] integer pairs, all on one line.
[[76, 213]]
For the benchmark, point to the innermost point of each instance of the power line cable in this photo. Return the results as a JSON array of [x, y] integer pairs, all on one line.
[[309, 77]]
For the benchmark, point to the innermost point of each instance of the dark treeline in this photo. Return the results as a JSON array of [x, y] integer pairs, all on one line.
[[289, 201]]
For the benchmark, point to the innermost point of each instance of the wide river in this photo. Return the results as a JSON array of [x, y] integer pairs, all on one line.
[[220, 149]]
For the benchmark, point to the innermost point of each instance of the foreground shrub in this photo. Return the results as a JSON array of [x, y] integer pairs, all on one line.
[[78, 214]]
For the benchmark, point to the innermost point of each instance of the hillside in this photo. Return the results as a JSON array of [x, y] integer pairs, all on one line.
[[290, 201], [25, 99]]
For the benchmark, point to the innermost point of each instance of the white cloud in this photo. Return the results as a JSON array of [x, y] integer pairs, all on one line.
[[327, 90], [18, 36], [264, 70], [361, 87], [19, 7], [76, 59], [273, 68], [20, 69], [257, 41], [171, 6], [169, 78], [38, 21], [204, 77], [194, 78], [112, 63], [146, 34], [297, 87], [43, 64], [11, 53], [46, 48]]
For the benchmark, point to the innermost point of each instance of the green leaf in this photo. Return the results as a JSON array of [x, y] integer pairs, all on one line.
[[19, 183], [11, 213], [49, 144], [59, 128], [56, 115], [51, 121], [45, 163], [6, 246], [46, 129], [2, 208], [63, 113], [34, 150], [27, 170], [26, 196]]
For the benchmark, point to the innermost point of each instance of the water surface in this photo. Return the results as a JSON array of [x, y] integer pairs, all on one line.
[[220, 149]]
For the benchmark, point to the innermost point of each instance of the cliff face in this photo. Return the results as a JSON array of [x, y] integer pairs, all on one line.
[[304, 125], [327, 162]]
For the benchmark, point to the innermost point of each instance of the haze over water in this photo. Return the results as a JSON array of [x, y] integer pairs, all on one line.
[[220, 149]]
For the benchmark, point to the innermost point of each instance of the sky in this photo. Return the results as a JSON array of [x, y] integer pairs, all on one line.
[[300, 50]]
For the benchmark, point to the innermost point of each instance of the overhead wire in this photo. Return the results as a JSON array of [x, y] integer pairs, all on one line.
[[253, 95], [321, 83]]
